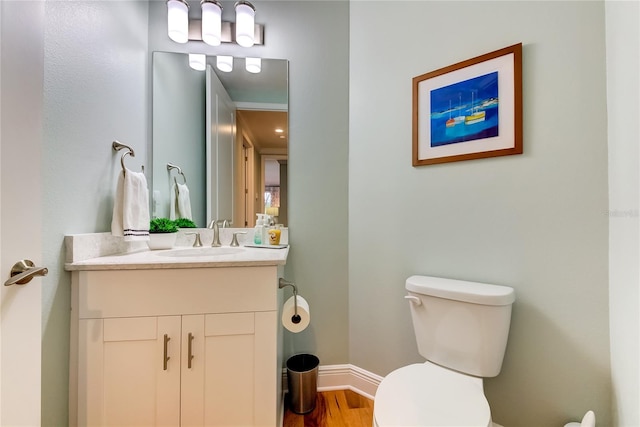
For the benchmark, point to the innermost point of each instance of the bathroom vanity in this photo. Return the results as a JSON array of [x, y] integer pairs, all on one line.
[[174, 340]]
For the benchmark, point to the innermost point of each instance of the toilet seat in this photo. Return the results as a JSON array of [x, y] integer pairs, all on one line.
[[426, 394]]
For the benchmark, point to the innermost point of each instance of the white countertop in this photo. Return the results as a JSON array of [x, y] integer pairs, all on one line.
[[159, 259], [102, 251]]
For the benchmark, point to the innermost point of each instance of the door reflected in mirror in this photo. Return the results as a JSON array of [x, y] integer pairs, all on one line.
[[228, 132]]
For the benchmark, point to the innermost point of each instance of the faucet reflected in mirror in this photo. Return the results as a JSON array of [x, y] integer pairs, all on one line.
[[239, 167]]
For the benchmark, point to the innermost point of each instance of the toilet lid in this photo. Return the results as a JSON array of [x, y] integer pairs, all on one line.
[[429, 395]]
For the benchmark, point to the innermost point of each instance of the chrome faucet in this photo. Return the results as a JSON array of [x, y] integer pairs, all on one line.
[[214, 224], [216, 233]]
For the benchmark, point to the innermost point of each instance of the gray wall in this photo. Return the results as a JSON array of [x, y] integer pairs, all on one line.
[[535, 221], [95, 91]]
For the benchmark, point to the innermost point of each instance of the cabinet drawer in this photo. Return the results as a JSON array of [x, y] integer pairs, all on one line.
[[130, 329], [229, 324], [137, 293]]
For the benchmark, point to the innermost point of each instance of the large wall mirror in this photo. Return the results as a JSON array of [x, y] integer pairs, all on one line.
[[228, 134]]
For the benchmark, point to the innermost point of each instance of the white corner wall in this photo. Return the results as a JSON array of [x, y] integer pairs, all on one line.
[[623, 90], [535, 221], [21, 69]]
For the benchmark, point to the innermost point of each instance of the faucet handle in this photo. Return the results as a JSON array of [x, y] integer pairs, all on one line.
[[234, 241], [197, 242]]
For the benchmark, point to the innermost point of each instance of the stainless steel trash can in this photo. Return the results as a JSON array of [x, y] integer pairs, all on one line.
[[302, 378]]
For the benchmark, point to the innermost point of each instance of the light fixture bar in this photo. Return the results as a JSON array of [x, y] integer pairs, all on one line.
[[228, 32]]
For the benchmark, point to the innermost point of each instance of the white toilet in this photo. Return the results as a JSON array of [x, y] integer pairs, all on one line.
[[461, 329]]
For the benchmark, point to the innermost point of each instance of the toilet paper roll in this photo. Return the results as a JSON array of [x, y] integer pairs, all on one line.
[[288, 311]]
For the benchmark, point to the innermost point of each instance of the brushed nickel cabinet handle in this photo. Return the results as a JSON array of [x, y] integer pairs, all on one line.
[[23, 271], [166, 351], [190, 350]]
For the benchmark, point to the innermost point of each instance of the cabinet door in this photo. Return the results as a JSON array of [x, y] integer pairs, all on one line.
[[218, 387], [123, 379]]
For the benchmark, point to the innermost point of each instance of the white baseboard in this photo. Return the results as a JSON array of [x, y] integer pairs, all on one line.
[[344, 377]]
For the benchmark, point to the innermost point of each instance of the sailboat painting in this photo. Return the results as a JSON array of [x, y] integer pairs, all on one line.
[[469, 110], [465, 111]]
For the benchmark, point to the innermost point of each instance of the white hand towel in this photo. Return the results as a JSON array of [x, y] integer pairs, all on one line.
[[131, 207], [180, 203], [183, 202]]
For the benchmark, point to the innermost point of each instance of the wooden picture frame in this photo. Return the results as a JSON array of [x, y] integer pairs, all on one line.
[[469, 110]]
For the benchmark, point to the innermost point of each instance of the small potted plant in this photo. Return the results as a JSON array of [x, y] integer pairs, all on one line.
[[185, 223], [162, 233]]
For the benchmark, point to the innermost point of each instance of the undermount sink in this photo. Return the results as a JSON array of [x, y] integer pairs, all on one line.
[[201, 252]]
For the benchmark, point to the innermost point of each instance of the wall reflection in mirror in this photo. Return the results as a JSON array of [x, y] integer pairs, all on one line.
[[228, 134]]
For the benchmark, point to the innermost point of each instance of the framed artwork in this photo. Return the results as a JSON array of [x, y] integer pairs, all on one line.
[[469, 110]]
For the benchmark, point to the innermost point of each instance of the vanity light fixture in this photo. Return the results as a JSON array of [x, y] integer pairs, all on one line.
[[245, 22], [253, 65], [211, 22], [178, 20], [198, 61], [224, 63], [211, 29]]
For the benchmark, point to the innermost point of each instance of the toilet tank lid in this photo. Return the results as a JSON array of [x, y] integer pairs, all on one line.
[[461, 290]]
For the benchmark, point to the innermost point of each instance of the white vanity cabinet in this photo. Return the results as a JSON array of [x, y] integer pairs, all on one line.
[[176, 347]]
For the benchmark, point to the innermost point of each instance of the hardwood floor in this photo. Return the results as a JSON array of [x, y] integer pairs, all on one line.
[[340, 408]]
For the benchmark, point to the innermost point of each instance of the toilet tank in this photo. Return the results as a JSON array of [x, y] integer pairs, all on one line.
[[461, 325]]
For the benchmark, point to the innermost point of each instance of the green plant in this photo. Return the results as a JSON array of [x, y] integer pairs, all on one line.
[[162, 225], [185, 223]]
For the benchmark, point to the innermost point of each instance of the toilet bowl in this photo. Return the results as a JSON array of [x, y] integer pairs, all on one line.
[[426, 394]]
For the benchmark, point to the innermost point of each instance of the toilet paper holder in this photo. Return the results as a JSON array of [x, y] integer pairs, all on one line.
[[281, 284]]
